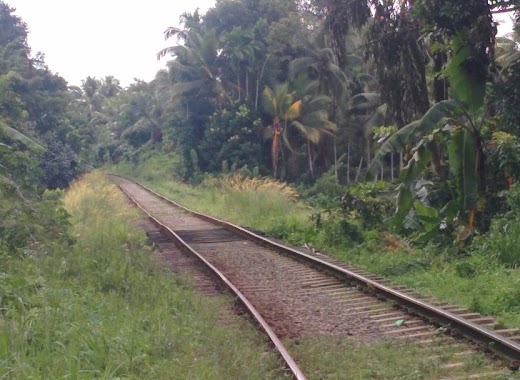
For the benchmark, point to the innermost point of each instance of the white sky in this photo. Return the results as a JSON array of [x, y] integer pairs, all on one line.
[[102, 37], [108, 37]]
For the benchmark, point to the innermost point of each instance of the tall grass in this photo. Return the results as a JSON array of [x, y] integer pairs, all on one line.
[[260, 209], [239, 183], [102, 309]]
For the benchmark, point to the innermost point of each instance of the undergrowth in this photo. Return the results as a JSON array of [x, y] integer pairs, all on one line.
[[102, 309]]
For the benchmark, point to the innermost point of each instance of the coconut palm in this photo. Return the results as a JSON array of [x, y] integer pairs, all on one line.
[[280, 103], [314, 124], [321, 65], [194, 68]]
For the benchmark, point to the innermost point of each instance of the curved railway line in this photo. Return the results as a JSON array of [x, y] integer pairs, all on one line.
[[291, 293]]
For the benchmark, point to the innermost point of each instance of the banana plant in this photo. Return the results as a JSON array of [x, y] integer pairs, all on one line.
[[13, 134], [450, 122]]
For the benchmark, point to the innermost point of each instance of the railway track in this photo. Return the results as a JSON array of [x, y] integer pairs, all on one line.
[[292, 294]]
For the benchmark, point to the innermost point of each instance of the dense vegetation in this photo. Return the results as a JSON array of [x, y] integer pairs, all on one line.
[[397, 122], [102, 309]]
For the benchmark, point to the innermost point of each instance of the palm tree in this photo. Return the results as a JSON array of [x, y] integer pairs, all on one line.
[[146, 109], [240, 51], [191, 21], [194, 67], [314, 123], [321, 65], [282, 106]]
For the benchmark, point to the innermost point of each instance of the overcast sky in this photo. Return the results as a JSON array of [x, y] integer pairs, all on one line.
[[106, 37], [102, 37]]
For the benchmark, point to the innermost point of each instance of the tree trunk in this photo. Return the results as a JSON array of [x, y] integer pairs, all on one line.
[[309, 156], [358, 170], [336, 160], [368, 152], [348, 162], [392, 167], [258, 79], [239, 91], [247, 85]]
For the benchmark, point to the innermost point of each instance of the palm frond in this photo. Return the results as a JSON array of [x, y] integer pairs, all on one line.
[[294, 111]]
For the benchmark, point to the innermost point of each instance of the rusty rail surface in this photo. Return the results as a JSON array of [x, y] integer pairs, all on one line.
[[457, 325]]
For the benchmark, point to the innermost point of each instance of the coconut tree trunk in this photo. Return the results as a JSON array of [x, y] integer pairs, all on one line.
[[335, 160], [258, 79], [368, 152], [247, 85], [309, 156], [348, 161], [359, 170], [239, 90]]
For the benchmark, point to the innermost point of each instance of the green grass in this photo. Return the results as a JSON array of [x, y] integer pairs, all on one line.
[[102, 309], [336, 358], [479, 281]]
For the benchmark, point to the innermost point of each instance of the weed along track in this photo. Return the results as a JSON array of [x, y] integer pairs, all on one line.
[[298, 297]]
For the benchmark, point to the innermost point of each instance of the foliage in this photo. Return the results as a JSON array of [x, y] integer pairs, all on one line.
[[507, 95], [370, 202], [59, 165], [26, 224], [103, 308], [153, 165], [325, 192], [232, 136], [503, 236]]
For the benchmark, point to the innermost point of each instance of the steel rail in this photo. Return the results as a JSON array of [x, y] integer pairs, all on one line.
[[276, 342], [457, 325]]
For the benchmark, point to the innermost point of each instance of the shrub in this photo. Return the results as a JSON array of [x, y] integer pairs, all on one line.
[[326, 191], [503, 238], [370, 202]]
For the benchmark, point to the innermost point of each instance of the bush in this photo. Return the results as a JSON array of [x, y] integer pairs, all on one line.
[[503, 239], [59, 164], [326, 191], [370, 202], [154, 165]]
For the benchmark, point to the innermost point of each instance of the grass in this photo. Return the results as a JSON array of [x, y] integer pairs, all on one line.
[[102, 309], [336, 358], [479, 281]]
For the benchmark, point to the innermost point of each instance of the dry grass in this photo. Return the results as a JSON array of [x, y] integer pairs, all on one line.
[[238, 182], [394, 243], [88, 197]]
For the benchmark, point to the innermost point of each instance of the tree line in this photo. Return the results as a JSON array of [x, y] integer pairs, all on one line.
[[421, 93]]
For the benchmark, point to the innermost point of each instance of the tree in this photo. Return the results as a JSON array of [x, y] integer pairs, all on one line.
[[281, 105], [194, 68], [313, 122]]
